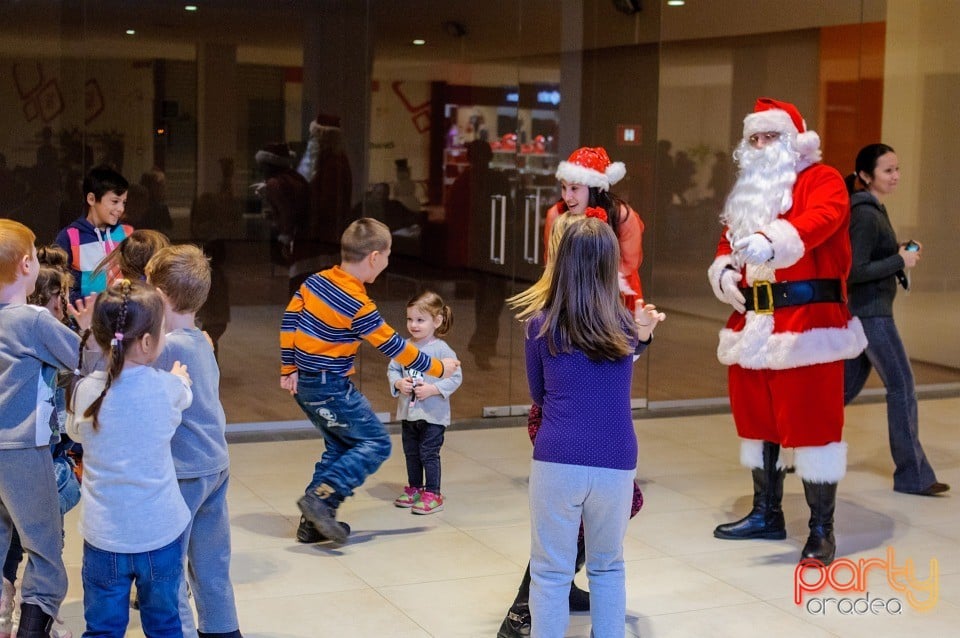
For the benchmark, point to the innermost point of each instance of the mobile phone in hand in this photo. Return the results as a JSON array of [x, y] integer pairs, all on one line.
[[912, 246]]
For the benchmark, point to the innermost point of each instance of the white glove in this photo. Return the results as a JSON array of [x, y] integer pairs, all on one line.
[[754, 249], [727, 290]]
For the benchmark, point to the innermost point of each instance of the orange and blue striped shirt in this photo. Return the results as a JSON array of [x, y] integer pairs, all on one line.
[[326, 321]]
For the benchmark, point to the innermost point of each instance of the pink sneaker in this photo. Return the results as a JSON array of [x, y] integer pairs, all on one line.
[[409, 498], [429, 503]]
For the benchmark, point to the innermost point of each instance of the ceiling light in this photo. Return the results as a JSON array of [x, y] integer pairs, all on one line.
[[675, 3], [190, 7], [130, 31], [419, 42]]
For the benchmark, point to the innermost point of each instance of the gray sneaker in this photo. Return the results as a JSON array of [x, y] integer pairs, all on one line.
[[323, 517]]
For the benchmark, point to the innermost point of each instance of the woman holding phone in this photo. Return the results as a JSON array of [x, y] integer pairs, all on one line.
[[879, 263]]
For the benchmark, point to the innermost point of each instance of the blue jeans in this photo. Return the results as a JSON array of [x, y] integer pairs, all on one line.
[[107, 577], [886, 354], [421, 445], [356, 442]]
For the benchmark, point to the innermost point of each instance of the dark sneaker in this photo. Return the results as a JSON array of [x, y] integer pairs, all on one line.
[[517, 622], [307, 533], [323, 517]]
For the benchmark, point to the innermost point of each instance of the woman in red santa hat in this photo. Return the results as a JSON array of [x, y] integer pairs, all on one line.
[[585, 181], [782, 263]]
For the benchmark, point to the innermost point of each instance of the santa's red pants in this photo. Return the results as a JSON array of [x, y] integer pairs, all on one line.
[[798, 407]]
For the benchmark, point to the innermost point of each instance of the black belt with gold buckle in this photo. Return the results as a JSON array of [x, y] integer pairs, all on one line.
[[764, 296]]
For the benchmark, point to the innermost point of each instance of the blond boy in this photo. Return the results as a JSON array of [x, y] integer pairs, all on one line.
[[201, 461], [33, 346]]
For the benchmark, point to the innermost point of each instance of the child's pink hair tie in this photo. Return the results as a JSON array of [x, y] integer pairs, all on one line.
[[117, 339]]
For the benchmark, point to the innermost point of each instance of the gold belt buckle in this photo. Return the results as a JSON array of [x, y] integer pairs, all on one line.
[[768, 288]]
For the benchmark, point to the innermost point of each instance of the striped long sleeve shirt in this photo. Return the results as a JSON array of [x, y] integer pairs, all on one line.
[[326, 321]]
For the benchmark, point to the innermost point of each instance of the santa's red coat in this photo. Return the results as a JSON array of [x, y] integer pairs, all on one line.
[[785, 383]]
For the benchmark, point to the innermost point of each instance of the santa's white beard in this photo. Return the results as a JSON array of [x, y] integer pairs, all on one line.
[[763, 190]]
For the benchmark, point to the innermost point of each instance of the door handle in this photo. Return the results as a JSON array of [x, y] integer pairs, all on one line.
[[536, 229], [503, 228], [494, 257], [527, 256]]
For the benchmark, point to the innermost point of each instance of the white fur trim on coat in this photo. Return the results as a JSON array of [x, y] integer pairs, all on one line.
[[713, 274], [787, 246], [822, 464], [624, 286], [757, 347]]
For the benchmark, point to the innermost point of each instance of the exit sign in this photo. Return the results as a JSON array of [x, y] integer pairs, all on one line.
[[629, 135]]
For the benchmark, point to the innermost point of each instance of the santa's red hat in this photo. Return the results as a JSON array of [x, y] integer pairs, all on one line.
[[591, 167], [771, 115]]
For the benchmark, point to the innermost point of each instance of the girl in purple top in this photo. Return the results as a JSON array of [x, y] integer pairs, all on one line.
[[579, 353]]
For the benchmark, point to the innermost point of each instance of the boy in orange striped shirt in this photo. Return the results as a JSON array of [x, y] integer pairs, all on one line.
[[320, 335]]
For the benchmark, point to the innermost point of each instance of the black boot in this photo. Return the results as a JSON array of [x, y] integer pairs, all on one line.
[[516, 624], [307, 532], [765, 520], [579, 599], [229, 634], [822, 499], [34, 622]]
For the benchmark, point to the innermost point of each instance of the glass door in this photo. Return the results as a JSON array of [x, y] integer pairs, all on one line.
[[443, 175]]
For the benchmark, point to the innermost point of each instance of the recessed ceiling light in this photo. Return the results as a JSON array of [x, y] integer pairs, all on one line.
[[190, 7], [419, 42], [130, 31], [675, 3]]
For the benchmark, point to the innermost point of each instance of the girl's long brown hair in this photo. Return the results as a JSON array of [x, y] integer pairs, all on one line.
[[132, 254], [583, 309]]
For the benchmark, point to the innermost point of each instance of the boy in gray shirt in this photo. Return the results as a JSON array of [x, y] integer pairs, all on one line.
[[33, 346], [182, 274]]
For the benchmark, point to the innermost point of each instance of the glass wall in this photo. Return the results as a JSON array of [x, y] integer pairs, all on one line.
[[453, 144]]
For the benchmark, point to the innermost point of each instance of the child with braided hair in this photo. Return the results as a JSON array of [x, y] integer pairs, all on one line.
[[132, 515]]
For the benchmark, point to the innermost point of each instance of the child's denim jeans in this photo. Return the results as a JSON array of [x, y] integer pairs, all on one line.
[[356, 441], [107, 577]]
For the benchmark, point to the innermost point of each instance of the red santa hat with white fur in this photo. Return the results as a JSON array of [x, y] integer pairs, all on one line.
[[591, 167], [771, 115]]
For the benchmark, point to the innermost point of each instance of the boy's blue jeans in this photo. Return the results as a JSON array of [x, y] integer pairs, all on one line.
[[106, 591], [356, 441]]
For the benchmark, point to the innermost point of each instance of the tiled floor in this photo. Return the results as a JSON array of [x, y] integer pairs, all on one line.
[[455, 573]]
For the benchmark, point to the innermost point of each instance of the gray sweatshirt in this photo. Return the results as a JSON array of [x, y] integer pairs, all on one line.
[[130, 501], [33, 346], [435, 409], [200, 445]]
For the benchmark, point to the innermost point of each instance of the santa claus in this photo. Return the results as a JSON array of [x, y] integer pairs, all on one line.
[[782, 263]]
